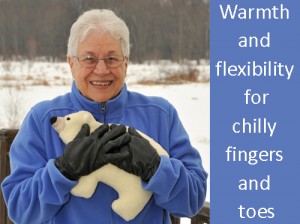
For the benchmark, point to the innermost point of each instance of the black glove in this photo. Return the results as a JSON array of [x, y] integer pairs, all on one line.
[[86, 153], [144, 159]]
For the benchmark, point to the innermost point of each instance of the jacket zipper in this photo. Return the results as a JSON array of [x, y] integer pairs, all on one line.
[[103, 111]]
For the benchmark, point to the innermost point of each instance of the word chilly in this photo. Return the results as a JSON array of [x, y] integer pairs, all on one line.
[[256, 126], [254, 69], [236, 12]]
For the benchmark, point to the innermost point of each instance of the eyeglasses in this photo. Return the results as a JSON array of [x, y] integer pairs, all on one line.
[[89, 61]]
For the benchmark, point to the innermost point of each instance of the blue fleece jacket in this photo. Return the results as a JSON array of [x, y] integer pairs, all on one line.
[[36, 192]]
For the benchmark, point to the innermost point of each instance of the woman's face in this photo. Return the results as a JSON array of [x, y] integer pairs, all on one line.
[[99, 83]]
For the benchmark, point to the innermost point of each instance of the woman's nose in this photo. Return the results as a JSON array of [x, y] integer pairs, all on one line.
[[101, 68]]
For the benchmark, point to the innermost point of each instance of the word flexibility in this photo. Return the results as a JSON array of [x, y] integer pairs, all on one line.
[[253, 69]]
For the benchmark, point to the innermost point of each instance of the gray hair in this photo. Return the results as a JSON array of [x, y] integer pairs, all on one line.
[[98, 19]]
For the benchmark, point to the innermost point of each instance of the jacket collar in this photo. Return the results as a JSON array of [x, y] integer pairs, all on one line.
[[110, 109]]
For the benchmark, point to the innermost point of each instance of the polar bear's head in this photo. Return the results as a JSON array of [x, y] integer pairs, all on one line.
[[69, 125]]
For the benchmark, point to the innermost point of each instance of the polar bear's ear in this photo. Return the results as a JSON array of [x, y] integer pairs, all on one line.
[[86, 117]]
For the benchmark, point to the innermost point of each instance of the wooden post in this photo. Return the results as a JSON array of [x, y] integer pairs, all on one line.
[[203, 217], [175, 220], [6, 138]]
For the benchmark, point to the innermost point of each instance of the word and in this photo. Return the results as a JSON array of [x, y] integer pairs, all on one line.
[[252, 69], [252, 157], [254, 184], [263, 213], [256, 126], [236, 12], [254, 41]]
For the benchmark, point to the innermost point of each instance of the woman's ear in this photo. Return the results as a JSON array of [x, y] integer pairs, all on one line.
[[71, 64], [126, 59], [70, 61]]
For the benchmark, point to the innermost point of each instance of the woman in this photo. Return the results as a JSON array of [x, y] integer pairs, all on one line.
[[44, 170]]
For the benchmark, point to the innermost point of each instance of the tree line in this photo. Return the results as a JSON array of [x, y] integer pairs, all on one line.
[[159, 29]]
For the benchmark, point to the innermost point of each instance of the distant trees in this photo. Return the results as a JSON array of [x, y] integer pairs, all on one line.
[[159, 29]]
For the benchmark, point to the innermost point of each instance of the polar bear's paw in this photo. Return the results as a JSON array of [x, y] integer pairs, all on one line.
[[86, 186], [124, 209]]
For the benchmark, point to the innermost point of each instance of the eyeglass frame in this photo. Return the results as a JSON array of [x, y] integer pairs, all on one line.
[[98, 59]]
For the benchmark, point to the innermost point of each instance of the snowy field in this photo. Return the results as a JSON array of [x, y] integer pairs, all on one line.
[[19, 90]]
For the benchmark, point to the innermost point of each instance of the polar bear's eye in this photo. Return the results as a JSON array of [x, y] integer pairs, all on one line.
[[68, 118]]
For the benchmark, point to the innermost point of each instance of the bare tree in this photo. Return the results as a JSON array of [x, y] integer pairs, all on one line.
[[164, 29], [13, 108]]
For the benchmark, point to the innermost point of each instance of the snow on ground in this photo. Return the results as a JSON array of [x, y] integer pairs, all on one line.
[[191, 100], [25, 73]]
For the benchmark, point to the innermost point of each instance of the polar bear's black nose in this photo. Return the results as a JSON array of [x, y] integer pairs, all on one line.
[[53, 120]]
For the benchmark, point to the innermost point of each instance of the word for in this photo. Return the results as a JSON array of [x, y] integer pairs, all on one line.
[[256, 126], [236, 12], [254, 41], [256, 98], [263, 213], [252, 157], [252, 69], [254, 184]]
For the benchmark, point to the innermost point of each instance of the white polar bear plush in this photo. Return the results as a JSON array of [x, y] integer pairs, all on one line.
[[132, 197]]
